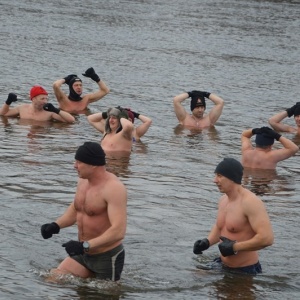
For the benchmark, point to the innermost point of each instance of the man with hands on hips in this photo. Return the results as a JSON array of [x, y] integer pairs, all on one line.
[[99, 210], [75, 102], [197, 119], [39, 109], [242, 226]]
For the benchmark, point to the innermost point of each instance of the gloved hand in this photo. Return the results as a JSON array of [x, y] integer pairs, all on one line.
[[205, 94], [69, 78], [123, 114], [104, 115], [136, 115], [226, 247], [47, 230], [270, 132], [74, 248], [11, 98], [290, 111], [50, 107], [200, 246], [256, 131], [90, 73]]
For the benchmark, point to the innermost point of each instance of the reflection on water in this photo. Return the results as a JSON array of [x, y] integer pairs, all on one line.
[[232, 286]]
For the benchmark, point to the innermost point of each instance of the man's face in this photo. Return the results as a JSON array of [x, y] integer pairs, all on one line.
[[39, 101], [84, 170], [77, 87], [114, 122], [198, 111], [222, 182]]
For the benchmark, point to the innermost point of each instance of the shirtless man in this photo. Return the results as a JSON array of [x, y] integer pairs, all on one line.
[[262, 156], [39, 109], [275, 121], [117, 130], [198, 106], [99, 210], [75, 102], [242, 226]]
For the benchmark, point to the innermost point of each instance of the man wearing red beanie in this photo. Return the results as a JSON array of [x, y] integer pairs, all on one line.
[[39, 109], [75, 102], [294, 111]]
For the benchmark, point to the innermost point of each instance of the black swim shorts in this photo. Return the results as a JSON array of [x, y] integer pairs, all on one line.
[[107, 265]]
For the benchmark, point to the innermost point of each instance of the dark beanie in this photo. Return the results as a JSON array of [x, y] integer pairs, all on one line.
[[263, 140], [297, 111], [230, 168], [197, 99], [91, 153]]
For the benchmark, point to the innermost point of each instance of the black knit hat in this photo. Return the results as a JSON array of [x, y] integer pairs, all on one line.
[[91, 153], [230, 168], [197, 99]]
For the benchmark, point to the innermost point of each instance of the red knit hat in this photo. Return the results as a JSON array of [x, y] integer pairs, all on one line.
[[37, 90]]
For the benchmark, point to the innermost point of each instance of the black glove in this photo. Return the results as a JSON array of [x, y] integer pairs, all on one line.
[[69, 78], [90, 73], [136, 115], [270, 133], [290, 111], [256, 130], [50, 107], [74, 248], [200, 246], [11, 98], [205, 94], [104, 115], [226, 247], [47, 230]]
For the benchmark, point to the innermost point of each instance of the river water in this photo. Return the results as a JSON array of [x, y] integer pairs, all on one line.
[[147, 52]]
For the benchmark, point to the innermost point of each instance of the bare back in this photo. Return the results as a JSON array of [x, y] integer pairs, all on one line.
[[259, 159]]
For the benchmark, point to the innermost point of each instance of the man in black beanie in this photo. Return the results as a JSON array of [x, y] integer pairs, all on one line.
[[262, 156], [293, 111], [197, 119], [242, 226], [100, 213], [75, 102]]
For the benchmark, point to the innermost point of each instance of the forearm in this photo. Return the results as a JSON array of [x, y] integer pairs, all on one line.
[[288, 144], [180, 98], [4, 109], [109, 237], [256, 243], [214, 235], [68, 218], [97, 117], [278, 117], [216, 99], [66, 116], [103, 87]]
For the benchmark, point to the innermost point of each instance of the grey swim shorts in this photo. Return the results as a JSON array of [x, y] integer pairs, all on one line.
[[107, 265]]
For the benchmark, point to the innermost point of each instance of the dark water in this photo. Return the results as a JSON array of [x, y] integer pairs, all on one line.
[[147, 52]]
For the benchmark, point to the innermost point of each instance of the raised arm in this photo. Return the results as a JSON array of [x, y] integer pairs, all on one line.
[[276, 124], [103, 89], [5, 110], [97, 120], [246, 139], [178, 108], [216, 111]]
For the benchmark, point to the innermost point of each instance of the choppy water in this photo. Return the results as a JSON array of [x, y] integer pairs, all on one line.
[[147, 52]]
